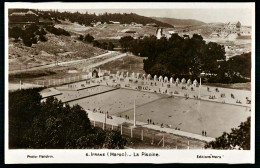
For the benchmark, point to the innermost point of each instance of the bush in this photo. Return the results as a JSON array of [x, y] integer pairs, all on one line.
[[104, 46], [43, 32], [110, 46], [34, 40], [27, 41], [31, 29], [89, 38], [125, 42], [81, 38], [43, 38], [15, 32], [57, 31], [96, 43]]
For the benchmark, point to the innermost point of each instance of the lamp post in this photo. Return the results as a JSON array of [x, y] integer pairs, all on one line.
[[201, 74], [106, 119], [134, 114], [200, 88]]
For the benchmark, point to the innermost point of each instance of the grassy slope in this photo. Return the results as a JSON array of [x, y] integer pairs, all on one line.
[[126, 64], [108, 30], [64, 47]]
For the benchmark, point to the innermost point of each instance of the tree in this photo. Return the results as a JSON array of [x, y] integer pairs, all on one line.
[[114, 140], [43, 32], [188, 58], [27, 40], [239, 138], [241, 64], [125, 42], [89, 38], [57, 31], [43, 38], [23, 107], [96, 43], [110, 46], [81, 37], [32, 28], [104, 46], [54, 125], [34, 40], [59, 126], [15, 32]]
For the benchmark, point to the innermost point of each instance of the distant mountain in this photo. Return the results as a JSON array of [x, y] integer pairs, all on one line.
[[179, 22]]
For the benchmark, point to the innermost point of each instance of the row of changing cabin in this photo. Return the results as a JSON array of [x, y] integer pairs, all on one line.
[[155, 78]]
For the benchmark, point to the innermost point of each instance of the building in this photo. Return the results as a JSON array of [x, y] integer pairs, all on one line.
[[171, 32], [245, 30], [231, 30], [23, 18], [186, 36], [159, 33], [95, 73], [232, 27], [113, 22], [98, 23], [215, 34], [138, 25], [151, 24], [130, 31], [43, 21]]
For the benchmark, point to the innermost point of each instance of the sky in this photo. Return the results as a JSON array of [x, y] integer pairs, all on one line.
[[206, 15]]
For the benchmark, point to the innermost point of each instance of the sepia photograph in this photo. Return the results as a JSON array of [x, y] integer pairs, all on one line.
[[113, 80]]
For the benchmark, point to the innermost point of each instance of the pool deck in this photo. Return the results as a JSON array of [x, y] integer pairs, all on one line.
[[116, 121], [50, 92], [161, 88]]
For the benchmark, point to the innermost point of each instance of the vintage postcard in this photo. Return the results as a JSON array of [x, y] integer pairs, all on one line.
[[130, 83]]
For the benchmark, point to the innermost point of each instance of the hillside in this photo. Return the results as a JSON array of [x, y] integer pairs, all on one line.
[[62, 48], [179, 22], [107, 31]]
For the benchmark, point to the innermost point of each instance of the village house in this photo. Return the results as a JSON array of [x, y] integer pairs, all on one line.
[[138, 25], [232, 27], [23, 18], [151, 24], [113, 22]]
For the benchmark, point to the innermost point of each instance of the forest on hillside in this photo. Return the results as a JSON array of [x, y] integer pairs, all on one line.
[[31, 34], [87, 18], [179, 22]]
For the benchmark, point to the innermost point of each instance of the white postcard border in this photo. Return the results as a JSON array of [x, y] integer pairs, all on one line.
[[165, 156]]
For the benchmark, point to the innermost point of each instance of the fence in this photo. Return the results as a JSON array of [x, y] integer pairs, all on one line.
[[15, 67], [154, 138], [67, 80]]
